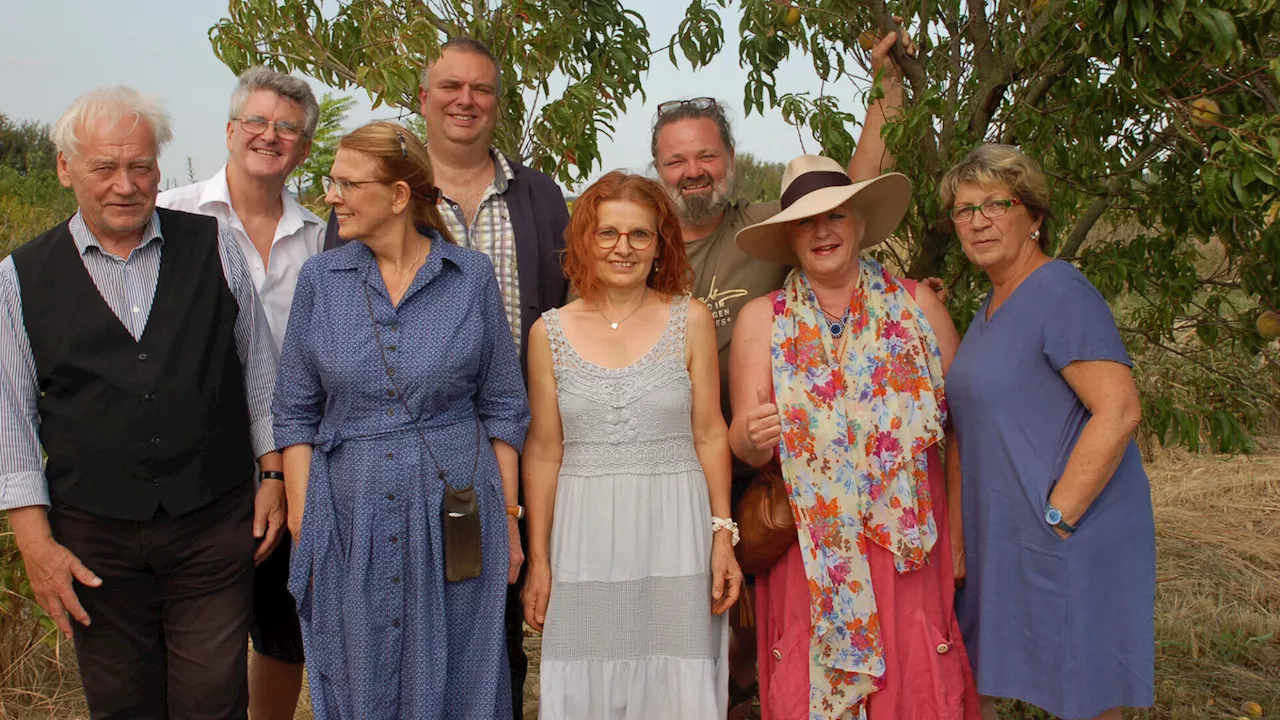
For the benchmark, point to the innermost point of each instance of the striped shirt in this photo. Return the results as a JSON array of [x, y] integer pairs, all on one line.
[[491, 233], [128, 286]]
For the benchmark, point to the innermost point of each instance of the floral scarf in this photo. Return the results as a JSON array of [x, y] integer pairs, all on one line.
[[855, 430]]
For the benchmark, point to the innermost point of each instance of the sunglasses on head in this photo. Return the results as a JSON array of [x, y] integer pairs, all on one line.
[[698, 103]]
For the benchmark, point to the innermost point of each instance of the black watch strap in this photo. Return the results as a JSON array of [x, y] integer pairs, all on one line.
[[271, 475]]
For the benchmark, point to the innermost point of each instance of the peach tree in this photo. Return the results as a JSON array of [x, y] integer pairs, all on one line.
[[1157, 120]]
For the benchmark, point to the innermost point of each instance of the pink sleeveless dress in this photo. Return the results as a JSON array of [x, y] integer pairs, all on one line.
[[927, 673]]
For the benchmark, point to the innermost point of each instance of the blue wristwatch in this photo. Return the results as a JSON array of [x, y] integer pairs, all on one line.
[[1053, 516]]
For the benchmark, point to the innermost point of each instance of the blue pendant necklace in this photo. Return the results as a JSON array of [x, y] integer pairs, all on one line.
[[837, 324]]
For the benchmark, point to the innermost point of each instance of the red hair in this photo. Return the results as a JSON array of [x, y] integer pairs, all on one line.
[[674, 276]]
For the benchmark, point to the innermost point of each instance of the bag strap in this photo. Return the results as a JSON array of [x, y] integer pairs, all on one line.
[[440, 472]]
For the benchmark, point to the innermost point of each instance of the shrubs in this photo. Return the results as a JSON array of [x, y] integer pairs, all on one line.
[[29, 205]]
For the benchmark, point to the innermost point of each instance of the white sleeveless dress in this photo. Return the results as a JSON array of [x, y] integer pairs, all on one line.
[[629, 633]]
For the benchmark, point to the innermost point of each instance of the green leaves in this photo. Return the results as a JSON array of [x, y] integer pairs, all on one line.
[[596, 50], [1162, 196], [1160, 192], [1221, 28], [306, 179]]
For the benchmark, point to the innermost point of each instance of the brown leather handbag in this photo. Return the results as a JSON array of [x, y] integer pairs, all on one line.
[[765, 523]]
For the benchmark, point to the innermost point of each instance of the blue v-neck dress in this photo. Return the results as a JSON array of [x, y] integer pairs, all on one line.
[[1067, 625], [386, 636]]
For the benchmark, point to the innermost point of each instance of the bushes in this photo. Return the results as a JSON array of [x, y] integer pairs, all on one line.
[[29, 205]]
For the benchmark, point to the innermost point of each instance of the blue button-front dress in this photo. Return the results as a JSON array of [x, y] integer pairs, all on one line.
[[386, 636], [1067, 625]]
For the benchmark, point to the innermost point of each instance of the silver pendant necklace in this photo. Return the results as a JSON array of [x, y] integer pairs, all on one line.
[[614, 325]]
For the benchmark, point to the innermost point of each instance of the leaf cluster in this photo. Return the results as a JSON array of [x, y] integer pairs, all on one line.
[[1157, 123], [25, 145], [568, 67]]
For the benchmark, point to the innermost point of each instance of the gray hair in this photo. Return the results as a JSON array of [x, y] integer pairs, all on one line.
[[286, 86], [109, 106], [715, 113], [463, 43], [993, 165]]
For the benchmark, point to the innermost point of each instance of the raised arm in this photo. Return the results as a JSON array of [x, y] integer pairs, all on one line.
[[871, 157]]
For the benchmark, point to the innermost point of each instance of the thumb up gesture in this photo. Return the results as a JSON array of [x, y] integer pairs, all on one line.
[[764, 425]]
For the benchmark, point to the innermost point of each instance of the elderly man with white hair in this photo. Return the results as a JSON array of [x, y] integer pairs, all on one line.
[[133, 349]]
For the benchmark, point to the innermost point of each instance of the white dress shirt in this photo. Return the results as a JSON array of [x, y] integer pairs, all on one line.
[[299, 235]]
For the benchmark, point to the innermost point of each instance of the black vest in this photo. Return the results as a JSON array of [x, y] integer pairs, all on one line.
[[130, 426]]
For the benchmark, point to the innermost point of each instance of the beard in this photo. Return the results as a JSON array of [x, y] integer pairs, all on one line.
[[703, 207]]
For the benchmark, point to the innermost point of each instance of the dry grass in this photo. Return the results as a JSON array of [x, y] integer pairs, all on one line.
[[1217, 603]]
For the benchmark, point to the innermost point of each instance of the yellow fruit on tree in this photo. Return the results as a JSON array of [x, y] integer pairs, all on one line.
[[1268, 325], [867, 40], [1273, 214], [1205, 112], [1039, 6], [792, 17], [1252, 709]]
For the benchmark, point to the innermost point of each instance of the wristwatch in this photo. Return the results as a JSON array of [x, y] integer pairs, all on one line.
[[516, 511], [1053, 516]]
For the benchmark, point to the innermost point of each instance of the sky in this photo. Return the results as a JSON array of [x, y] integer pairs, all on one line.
[[161, 47]]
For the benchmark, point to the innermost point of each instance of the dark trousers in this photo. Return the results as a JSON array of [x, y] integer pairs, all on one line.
[[167, 639], [515, 636]]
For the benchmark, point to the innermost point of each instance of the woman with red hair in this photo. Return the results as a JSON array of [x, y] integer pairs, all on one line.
[[626, 473]]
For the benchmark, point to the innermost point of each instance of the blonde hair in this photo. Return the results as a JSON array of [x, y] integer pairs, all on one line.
[[404, 159], [995, 165]]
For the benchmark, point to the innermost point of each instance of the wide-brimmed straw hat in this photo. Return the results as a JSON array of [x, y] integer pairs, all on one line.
[[812, 185]]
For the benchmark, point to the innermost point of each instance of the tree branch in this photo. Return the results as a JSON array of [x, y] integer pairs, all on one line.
[[1249, 390], [1100, 205], [911, 67], [913, 71], [995, 75], [1033, 96]]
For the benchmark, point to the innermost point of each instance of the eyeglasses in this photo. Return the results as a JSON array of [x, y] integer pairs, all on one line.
[[639, 239], [698, 103], [342, 186], [990, 209], [255, 125]]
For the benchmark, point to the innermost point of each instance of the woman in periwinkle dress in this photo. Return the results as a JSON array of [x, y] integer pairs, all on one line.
[[626, 473], [387, 635], [1058, 605]]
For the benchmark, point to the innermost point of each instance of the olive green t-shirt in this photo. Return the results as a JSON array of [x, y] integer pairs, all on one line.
[[725, 278]]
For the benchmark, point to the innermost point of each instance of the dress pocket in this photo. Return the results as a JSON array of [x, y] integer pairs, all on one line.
[[1043, 602], [789, 681], [938, 673]]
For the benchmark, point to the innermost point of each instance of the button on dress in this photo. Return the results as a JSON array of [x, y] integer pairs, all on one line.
[[386, 636]]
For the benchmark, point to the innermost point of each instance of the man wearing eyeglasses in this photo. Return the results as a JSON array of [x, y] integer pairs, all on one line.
[[693, 153], [269, 133]]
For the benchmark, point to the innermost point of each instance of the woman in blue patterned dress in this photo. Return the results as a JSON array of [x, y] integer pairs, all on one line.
[[387, 636], [1059, 540]]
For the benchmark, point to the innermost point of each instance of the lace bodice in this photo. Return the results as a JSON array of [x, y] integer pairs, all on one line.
[[634, 419]]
